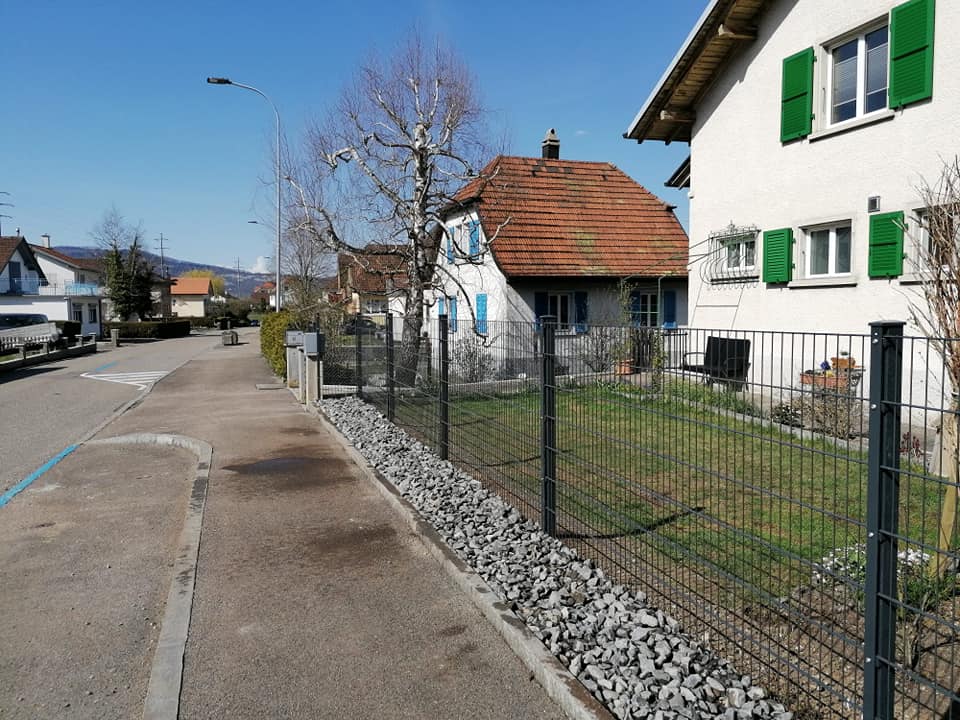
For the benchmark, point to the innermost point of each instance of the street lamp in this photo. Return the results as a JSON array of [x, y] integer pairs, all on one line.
[[228, 81]]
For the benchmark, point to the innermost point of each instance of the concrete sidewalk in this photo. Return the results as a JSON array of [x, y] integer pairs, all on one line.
[[313, 599]]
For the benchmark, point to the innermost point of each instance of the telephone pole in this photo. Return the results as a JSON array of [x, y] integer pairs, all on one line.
[[238, 277], [3, 192], [163, 269]]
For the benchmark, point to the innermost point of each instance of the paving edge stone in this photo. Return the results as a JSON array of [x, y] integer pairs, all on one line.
[[166, 673], [560, 685]]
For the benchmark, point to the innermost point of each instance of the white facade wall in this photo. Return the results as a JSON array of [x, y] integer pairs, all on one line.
[[59, 274], [189, 305], [742, 173]]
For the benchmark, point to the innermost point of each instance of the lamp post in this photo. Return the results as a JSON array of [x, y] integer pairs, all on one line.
[[228, 81]]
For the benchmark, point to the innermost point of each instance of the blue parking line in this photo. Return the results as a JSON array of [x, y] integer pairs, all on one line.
[[104, 367], [23, 484]]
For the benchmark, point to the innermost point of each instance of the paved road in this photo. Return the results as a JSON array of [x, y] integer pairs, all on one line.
[[45, 408]]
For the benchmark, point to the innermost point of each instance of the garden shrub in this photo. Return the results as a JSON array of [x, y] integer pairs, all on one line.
[[148, 330], [272, 329]]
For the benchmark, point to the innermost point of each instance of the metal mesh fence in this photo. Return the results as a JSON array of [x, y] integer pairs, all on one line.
[[730, 476]]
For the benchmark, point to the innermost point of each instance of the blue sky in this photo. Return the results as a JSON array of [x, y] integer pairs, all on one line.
[[105, 102]]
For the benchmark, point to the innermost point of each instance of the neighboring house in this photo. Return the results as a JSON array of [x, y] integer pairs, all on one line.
[[538, 236], [38, 279], [811, 124], [373, 281], [265, 292], [191, 296]]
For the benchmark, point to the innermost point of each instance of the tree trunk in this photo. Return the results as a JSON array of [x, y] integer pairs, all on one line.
[[950, 470], [408, 354]]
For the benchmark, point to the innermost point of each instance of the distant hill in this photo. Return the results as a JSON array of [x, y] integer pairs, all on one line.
[[175, 267]]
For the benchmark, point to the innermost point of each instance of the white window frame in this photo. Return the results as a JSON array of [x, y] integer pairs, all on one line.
[[860, 36], [93, 316], [832, 251], [720, 270]]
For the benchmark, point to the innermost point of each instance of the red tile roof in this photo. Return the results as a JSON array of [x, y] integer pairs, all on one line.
[[191, 286], [89, 263], [370, 269], [570, 218]]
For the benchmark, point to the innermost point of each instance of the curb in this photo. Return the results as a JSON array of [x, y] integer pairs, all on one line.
[[166, 673], [560, 685]]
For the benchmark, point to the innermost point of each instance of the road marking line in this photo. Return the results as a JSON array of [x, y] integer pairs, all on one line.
[[104, 367], [139, 379], [23, 484]]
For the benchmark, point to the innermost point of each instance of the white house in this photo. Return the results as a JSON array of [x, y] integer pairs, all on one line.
[[544, 236], [38, 279], [191, 296], [811, 124]]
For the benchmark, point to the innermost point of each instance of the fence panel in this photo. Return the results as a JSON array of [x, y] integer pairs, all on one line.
[[725, 474]]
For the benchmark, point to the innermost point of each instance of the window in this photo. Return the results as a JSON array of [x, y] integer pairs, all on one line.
[[828, 251], [372, 306], [858, 75], [453, 313], [644, 309], [473, 228], [77, 312], [929, 222], [733, 253], [889, 64], [92, 312], [569, 308]]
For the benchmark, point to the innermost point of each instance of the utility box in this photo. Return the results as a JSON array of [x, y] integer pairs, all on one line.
[[228, 337], [313, 343], [293, 338]]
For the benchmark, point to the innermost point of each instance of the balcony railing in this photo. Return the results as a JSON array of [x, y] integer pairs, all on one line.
[[31, 286]]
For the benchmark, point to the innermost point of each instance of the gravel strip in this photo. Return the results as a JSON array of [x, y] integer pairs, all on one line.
[[631, 656]]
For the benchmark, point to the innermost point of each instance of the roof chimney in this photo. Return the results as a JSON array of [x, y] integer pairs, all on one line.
[[45, 238], [551, 145]]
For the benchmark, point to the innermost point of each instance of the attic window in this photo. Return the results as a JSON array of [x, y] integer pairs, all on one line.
[[732, 254]]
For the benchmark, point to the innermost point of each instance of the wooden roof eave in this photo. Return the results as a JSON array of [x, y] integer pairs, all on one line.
[[722, 29]]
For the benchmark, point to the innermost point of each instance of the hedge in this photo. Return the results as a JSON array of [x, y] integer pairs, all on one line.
[[154, 330], [272, 329]]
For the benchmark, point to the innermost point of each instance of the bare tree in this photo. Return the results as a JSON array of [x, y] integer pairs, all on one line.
[[304, 264], [404, 137], [938, 317]]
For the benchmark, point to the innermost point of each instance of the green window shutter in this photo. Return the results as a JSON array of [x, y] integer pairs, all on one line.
[[778, 255], [886, 245], [796, 96], [911, 52]]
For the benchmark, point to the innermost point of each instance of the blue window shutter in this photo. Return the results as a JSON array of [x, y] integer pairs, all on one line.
[[453, 314], [580, 311], [441, 307], [541, 304], [474, 239], [670, 307], [449, 235], [481, 314]]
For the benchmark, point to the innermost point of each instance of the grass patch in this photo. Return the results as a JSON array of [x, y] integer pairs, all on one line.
[[683, 471]]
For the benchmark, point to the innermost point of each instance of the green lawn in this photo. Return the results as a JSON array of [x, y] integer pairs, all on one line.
[[682, 476]]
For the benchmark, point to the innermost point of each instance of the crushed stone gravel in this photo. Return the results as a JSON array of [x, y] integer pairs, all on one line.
[[632, 657]]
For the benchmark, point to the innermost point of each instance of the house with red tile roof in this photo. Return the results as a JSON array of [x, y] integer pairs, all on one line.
[[535, 236], [191, 296], [373, 281]]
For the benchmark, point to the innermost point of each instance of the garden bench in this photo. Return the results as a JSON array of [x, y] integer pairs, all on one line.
[[725, 360]]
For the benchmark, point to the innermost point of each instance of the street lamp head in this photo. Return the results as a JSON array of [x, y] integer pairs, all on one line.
[[219, 81]]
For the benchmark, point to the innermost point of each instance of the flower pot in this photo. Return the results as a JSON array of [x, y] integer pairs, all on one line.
[[844, 362]]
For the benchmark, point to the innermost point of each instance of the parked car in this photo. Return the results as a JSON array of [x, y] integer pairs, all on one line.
[[365, 325], [9, 321]]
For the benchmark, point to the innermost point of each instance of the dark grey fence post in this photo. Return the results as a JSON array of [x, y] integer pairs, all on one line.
[[444, 388], [391, 371], [548, 426], [359, 336], [883, 499]]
